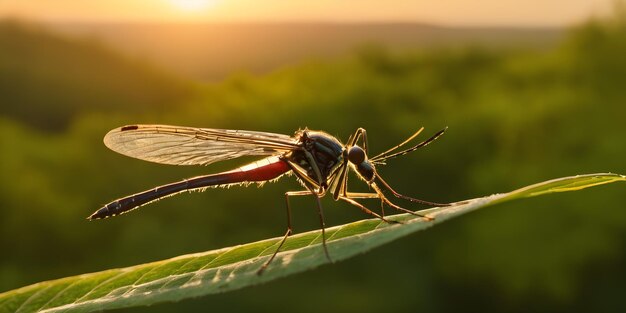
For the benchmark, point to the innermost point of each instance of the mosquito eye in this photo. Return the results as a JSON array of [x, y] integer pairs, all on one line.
[[356, 155]]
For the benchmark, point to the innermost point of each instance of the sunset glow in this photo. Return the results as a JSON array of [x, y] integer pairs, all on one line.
[[450, 12], [192, 5]]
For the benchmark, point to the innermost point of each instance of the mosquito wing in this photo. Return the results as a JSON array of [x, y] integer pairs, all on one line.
[[179, 145]]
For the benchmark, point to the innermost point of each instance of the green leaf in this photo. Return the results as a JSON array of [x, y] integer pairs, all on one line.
[[236, 267]]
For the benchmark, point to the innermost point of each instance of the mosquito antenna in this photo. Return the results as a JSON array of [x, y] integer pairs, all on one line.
[[381, 155], [382, 158]]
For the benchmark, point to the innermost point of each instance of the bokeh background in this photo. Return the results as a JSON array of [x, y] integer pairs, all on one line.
[[529, 94]]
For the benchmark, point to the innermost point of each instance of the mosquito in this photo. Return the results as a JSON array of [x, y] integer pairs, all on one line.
[[319, 161]]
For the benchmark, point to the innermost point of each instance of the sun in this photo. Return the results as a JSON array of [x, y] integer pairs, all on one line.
[[192, 5]]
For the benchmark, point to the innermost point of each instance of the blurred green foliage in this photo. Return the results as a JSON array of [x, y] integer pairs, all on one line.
[[516, 117]]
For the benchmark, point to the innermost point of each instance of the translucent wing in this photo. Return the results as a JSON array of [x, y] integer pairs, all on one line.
[[179, 145]]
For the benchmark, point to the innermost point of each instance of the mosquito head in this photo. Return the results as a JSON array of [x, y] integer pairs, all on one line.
[[358, 158]]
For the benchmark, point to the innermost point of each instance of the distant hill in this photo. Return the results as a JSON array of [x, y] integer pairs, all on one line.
[[51, 73], [46, 79], [212, 51]]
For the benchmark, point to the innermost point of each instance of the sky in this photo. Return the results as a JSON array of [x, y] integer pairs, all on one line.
[[444, 12]]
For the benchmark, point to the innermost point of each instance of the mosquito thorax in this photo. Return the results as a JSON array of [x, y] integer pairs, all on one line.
[[323, 149]]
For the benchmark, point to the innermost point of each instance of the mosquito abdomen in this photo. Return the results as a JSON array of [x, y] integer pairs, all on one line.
[[260, 171]]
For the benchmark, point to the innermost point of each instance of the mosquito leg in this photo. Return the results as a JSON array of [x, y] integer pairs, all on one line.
[[367, 195], [398, 195], [320, 211], [289, 228], [383, 201], [367, 211], [266, 264], [364, 135], [361, 132], [397, 207]]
